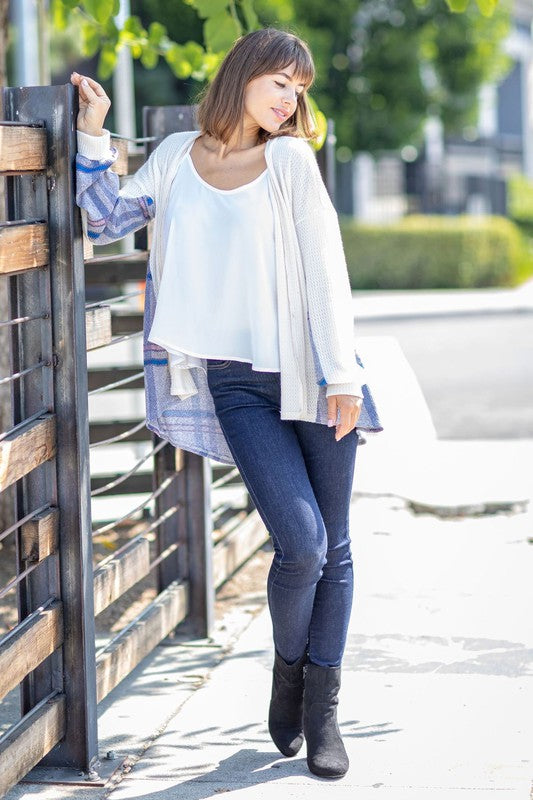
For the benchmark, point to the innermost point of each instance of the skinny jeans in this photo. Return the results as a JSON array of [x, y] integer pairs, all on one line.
[[300, 480]]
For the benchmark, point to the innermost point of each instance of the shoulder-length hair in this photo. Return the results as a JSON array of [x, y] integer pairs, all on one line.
[[268, 50]]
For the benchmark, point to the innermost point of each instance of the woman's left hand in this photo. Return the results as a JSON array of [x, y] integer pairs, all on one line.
[[349, 407]]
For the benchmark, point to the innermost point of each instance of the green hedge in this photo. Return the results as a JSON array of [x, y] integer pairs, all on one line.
[[436, 252], [520, 202]]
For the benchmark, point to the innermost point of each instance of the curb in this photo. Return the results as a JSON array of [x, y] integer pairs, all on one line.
[[486, 508], [378, 316], [393, 304]]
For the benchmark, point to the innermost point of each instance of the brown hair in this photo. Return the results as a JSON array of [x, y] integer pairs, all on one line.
[[268, 50]]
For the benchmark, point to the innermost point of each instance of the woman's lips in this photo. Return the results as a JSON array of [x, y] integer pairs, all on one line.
[[279, 114]]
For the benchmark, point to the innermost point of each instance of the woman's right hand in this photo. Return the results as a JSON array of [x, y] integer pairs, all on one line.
[[93, 104]]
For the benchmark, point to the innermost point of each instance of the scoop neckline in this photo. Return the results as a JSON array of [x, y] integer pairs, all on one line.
[[215, 188]]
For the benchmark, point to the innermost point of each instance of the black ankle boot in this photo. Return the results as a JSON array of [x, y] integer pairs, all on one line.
[[326, 754], [285, 712]]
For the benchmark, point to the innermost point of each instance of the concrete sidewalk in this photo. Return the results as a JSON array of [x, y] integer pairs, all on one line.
[[436, 693], [390, 304], [437, 674]]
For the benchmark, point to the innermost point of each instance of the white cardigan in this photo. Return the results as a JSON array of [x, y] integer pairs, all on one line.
[[315, 307]]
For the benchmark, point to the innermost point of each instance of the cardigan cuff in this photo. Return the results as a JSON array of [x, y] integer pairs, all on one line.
[[352, 388], [96, 148]]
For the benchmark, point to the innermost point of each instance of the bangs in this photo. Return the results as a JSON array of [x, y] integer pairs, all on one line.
[[289, 52]]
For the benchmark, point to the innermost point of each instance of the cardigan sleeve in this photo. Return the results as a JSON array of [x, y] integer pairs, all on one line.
[[108, 211], [328, 290]]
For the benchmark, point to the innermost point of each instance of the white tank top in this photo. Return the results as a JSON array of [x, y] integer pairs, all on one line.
[[217, 295]]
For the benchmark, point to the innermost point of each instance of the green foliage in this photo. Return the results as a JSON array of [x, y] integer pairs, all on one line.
[[370, 57], [433, 252], [487, 7], [223, 22], [384, 67], [221, 30]]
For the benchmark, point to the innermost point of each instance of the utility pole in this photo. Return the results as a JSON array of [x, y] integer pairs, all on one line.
[[123, 88], [32, 61], [124, 100]]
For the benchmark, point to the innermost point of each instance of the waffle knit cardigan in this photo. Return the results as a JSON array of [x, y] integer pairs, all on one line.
[[315, 310]]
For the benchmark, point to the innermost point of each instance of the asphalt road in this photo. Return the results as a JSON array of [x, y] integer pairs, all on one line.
[[476, 371]]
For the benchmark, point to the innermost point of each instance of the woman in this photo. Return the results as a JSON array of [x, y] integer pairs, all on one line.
[[249, 352]]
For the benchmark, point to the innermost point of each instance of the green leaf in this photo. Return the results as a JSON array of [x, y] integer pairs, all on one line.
[[60, 11], [178, 62], [107, 61], [250, 17], [90, 40], [134, 25], [111, 31], [457, 6], [101, 10], [156, 32], [210, 8], [212, 62], [321, 123], [194, 53], [59, 15], [487, 7], [149, 57], [221, 31]]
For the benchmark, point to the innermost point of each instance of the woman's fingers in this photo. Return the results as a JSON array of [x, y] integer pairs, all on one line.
[[91, 84], [90, 90], [93, 104], [349, 408]]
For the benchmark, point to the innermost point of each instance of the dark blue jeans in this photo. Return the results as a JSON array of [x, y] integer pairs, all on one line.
[[300, 480]]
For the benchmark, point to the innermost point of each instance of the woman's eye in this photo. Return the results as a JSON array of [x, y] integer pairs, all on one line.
[[298, 94]]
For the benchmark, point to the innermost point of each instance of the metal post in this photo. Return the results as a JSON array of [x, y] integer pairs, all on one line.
[[200, 543]]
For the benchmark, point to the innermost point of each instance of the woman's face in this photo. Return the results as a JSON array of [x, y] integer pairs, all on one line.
[[268, 92]]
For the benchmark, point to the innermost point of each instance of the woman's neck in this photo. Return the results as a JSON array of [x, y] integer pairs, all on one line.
[[221, 150]]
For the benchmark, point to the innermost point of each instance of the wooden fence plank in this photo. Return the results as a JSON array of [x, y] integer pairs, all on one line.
[[231, 552], [137, 483], [100, 431], [29, 446], [23, 246], [117, 269], [121, 164], [133, 643], [118, 574], [98, 326], [102, 376], [22, 149], [127, 321], [28, 644], [39, 536], [34, 737], [88, 249]]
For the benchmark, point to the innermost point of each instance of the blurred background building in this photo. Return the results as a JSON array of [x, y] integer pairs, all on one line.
[[461, 174]]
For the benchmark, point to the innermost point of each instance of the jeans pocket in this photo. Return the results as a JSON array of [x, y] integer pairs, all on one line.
[[217, 363]]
